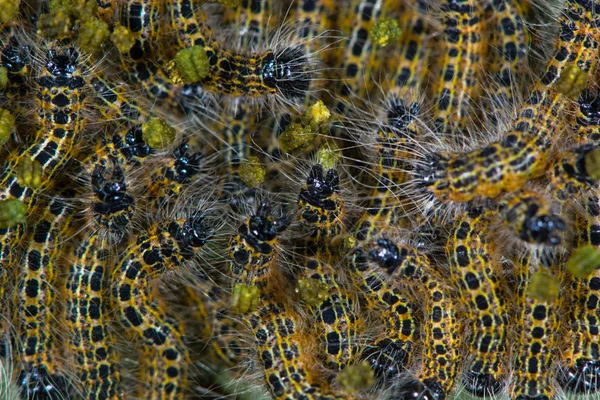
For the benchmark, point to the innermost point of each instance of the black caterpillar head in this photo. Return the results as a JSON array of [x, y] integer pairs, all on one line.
[[482, 385], [582, 379], [320, 185], [63, 64], [133, 144], [589, 105], [111, 193], [191, 233], [426, 390], [15, 56], [545, 229], [400, 115], [387, 255], [186, 165], [287, 71]]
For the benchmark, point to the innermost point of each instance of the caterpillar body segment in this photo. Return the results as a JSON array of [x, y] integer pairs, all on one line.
[[15, 57], [579, 372], [283, 352], [393, 140], [334, 313], [142, 17], [587, 122], [475, 272], [44, 241], [537, 335], [392, 350], [224, 329], [237, 142], [511, 41], [254, 248], [531, 219], [310, 15], [112, 103], [149, 76], [320, 205], [522, 153], [169, 176], [441, 355], [61, 100], [89, 334], [502, 166], [458, 86], [357, 50], [253, 19], [571, 173], [165, 246], [412, 68], [112, 203]]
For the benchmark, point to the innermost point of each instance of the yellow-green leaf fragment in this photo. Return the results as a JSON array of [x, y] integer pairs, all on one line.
[[192, 64], [385, 31], [122, 38], [157, 133], [252, 172], [9, 10], [29, 173], [244, 298], [92, 33], [544, 287], [583, 261], [7, 125], [356, 377], [12, 212], [312, 291]]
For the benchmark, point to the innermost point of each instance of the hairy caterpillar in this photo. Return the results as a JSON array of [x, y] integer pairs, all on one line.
[[522, 151], [476, 271], [90, 338], [39, 374]]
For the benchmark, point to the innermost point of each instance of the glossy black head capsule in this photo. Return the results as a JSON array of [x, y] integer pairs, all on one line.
[[400, 116], [584, 378], [386, 255], [39, 385], [417, 390], [192, 234], [287, 71], [132, 145], [320, 185], [187, 164], [386, 359], [545, 229], [262, 228], [589, 105], [62, 66], [111, 193], [481, 385]]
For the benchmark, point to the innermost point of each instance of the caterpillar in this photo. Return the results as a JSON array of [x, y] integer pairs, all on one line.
[[90, 337], [39, 373], [393, 348], [333, 312], [477, 275], [522, 152], [61, 96], [461, 69], [536, 335], [282, 351], [164, 247]]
